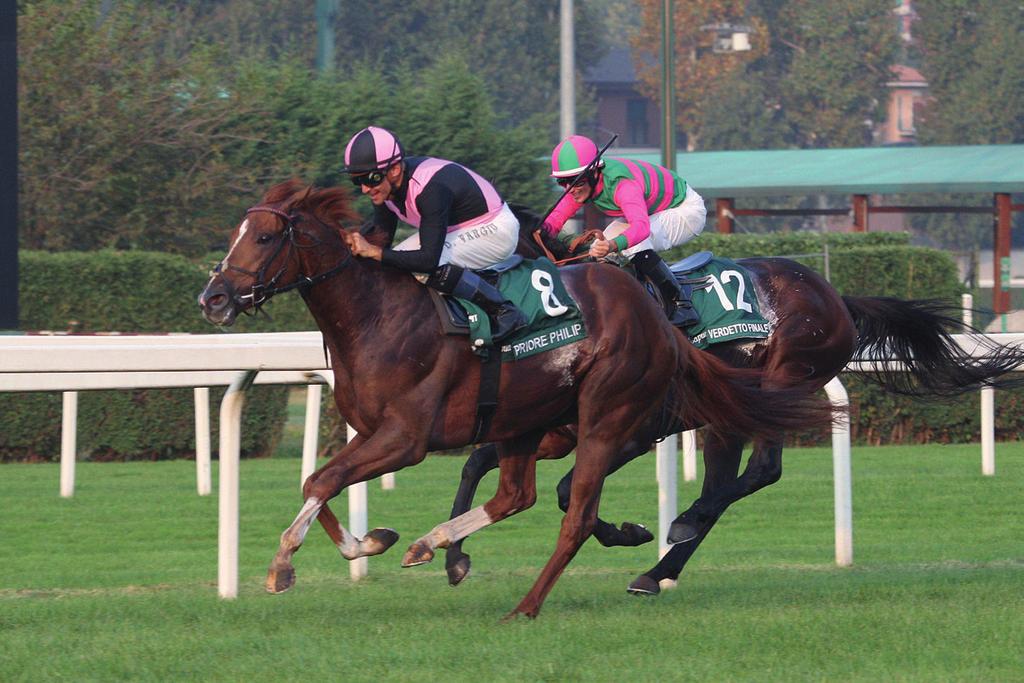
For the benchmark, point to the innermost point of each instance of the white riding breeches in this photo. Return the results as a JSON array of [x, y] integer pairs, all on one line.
[[475, 246], [669, 228]]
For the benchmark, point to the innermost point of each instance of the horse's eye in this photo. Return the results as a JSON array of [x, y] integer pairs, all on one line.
[[264, 239]]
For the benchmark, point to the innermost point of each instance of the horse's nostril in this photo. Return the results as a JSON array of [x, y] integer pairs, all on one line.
[[217, 301]]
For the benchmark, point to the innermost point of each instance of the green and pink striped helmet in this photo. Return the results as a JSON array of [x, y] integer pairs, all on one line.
[[572, 156]]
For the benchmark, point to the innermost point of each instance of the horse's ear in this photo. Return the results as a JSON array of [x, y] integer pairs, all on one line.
[[304, 197]]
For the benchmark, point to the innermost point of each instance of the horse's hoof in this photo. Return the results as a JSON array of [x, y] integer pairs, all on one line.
[[418, 553], [643, 585], [378, 540], [279, 579], [629, 535], [457, 570], [637, 534], [681, 532]]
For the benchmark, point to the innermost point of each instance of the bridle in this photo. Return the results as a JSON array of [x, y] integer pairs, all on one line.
[[261, 292]]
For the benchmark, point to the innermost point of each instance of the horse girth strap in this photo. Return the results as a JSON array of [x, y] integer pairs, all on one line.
[[487, 396]]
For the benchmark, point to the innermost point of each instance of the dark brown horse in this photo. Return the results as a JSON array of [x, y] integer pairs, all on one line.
[[408, 389], [816, 332]]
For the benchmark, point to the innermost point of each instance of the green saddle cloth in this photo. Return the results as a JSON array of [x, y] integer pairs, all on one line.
[[727, 305], [535, 286]]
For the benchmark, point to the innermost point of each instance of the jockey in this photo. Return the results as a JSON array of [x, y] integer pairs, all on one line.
[[657, 211], [462, 222]]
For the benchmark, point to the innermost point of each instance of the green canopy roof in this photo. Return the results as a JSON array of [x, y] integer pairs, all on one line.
[[868, 170]]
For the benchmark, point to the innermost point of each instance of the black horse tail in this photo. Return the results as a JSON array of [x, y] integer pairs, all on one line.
[[918, 335], [730, 400]]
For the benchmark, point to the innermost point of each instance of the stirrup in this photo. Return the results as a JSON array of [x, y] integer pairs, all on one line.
[[683, 316]]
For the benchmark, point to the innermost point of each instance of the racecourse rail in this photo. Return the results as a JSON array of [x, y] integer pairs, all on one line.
[[73, 363]]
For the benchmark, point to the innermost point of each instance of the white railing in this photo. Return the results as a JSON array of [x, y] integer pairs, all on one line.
[[43, 363], [38, 363]]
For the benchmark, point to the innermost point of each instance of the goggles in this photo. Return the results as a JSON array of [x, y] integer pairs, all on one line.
[[574, 181], [371, 179]]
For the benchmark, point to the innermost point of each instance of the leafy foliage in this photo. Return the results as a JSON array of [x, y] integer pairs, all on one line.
[[698, 70], [973, 58], [511, 44], [814, 76], [129, 292], [141, 136]]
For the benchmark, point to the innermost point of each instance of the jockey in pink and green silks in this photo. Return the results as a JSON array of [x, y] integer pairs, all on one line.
[[656, 209]]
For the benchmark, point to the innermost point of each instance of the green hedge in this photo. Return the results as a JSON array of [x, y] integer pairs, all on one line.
[[151, 424], [146, 292], [130, 292]]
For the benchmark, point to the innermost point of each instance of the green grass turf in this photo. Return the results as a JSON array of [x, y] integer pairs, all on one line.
[[119, 582]]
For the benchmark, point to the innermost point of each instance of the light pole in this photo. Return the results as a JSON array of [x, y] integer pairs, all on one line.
[[326, 12], [668, 97], [9, 166], [567, 122]]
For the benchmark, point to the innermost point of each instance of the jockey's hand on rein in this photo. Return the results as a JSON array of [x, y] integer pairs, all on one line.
[[358, 245], [600, 248]]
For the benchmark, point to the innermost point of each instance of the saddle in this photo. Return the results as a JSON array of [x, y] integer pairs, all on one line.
[[453, 316]]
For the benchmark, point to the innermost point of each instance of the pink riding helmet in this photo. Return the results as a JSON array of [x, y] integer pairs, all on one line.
[[372, 149]]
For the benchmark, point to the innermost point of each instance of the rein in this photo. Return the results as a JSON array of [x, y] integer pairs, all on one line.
[[577, 241], [260, 293]]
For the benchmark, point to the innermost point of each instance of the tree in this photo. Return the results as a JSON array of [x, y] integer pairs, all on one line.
[[973, 58], [115, 130], [832, 59], [698, 68], [133, 138], [513, 45], [815, 76]]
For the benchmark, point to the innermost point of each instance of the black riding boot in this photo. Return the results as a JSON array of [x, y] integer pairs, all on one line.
[[465, 284], [679, 308]]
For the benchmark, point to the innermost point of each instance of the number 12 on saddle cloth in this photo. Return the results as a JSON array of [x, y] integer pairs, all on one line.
[[727, 305], [535, 286]]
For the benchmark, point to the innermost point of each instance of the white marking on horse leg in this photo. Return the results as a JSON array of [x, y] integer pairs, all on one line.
[[350, 546], [443, 535], [294, 535]]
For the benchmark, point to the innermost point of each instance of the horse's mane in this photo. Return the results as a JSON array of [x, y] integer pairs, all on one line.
[[333, 205]]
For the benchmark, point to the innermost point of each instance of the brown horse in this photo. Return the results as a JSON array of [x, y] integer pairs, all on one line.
[[407, 388], [816, 332]]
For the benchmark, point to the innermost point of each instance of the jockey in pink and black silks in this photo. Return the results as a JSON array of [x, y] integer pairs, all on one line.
[[655, 208], [462, 222]]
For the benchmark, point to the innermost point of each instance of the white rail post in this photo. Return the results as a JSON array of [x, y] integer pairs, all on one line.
[[230, 445], [202, 400], [311, 435], [68, 443], [387, 481], [841, 475], [988, 406], [357, 523], [690, 455], [988, 431], [667, 474]]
